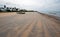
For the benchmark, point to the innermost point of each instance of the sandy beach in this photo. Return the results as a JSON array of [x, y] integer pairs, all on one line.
[[7, 14], [31, 24], [55, 18]]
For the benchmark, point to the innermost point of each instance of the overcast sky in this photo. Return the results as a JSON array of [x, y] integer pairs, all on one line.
[[39, 5]]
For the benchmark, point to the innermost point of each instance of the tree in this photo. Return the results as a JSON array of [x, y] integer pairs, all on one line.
[[4, 6], [7, 9]]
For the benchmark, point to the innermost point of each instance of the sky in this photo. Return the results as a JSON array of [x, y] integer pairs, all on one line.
[[39, 5]]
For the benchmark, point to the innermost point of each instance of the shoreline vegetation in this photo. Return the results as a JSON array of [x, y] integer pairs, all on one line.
[[14, 9]]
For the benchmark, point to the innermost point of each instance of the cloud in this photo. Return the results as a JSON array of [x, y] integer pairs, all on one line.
[[35, 4]]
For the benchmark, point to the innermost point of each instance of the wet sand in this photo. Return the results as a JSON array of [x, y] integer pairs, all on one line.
[[55, 18]]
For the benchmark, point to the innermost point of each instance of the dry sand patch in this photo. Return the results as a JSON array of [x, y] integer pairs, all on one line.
[[7, 14]]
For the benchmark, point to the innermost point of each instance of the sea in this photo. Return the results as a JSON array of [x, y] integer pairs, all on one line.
[[53, 13]]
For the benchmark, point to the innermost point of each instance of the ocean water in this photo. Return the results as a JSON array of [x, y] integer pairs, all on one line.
[[58, 14], [54, 13]]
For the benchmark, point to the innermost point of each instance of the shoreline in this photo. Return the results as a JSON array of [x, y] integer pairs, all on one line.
[[55, 18]]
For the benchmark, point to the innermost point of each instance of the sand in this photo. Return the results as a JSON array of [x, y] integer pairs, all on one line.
[[7, 14]]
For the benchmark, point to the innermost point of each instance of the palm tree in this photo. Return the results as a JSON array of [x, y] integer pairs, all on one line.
[[4, 6], [7, 9]]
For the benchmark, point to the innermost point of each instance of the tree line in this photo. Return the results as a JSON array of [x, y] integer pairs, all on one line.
[[14, 9]]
